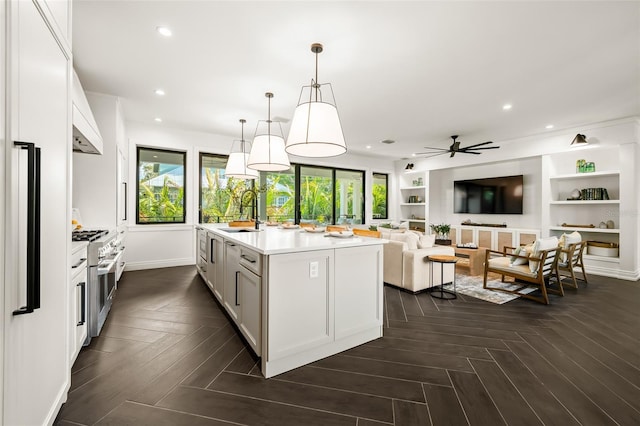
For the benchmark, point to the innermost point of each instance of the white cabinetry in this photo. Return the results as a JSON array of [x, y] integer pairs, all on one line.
[[78, 301], [241, 295], [414, 197], [231, 272], [250, 288], [201, 252], [100, 181], [215, 265], [36, 108]]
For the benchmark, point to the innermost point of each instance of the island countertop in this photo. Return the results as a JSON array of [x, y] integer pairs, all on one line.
[[274, 240]]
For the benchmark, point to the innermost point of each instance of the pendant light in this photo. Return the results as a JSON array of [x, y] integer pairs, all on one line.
[[237, 162], [315, 129], [267, 153]]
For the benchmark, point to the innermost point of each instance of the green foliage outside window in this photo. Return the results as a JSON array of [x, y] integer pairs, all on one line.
[[160, 186]]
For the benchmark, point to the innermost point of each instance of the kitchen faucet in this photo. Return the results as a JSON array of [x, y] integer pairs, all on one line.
[[254, 205]]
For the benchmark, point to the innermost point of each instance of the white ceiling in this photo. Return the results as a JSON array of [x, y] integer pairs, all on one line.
[[414, 72]]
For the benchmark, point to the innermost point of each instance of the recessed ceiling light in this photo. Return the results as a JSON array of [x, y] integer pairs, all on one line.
[[164, 31], [549, 126], [368, 146], [158, 119], [413, 154], [159, 92], [155, 156], [507, 107]]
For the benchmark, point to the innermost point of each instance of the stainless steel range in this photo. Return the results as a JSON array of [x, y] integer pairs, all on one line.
[[103, 255]]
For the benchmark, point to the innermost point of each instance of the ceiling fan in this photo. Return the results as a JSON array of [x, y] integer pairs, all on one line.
[[455, 147]]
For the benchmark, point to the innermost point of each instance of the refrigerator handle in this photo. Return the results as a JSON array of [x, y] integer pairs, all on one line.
[[33, 228]]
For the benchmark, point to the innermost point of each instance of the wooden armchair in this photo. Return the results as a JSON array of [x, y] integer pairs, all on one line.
[[571, 258], [544, 267]]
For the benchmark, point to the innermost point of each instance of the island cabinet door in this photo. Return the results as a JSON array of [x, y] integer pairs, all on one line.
[[232, 280], [299, 293], [250, 287], [358, 290]]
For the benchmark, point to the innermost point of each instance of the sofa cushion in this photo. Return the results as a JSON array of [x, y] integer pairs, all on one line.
[[426, 241], [409, 238], [540, 245]]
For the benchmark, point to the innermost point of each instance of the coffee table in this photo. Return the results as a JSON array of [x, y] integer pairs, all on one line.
[[476, 258]]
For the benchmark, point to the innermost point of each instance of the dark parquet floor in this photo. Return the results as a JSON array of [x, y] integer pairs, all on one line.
[[168, 355]]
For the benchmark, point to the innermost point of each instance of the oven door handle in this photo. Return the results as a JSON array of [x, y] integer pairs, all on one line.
[[83, 297], [107, 267], [33, 228]]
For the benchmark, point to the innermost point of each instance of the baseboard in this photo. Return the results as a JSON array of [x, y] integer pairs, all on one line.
[[154, 264], [61, 399], [614, 273]]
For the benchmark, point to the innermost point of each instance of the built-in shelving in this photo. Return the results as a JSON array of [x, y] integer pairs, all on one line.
[[593, 230], [583, 202], [416, 212], [561, 209]]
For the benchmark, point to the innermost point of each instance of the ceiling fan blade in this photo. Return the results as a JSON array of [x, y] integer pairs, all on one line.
[[478, 149], [452, 154], [478, 144], [436, 149], [429, 155]]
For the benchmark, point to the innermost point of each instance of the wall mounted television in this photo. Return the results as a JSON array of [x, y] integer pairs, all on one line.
[[495, 195]]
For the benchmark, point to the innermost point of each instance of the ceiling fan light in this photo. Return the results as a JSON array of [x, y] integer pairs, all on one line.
[[316, 131]]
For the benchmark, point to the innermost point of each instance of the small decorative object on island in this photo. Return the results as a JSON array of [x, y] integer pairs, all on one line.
[[442, 233]]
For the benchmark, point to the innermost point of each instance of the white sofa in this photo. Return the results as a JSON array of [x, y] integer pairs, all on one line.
[[404, 260]]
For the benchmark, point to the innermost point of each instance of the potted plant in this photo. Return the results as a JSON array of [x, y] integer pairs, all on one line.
[[442, 233]]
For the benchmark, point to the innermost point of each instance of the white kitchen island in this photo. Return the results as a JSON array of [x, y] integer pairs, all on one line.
[[296, 296]]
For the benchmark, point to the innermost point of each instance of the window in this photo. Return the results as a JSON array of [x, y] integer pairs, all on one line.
[[161, 179], [349, 197], [380, 195], [280, 195], [219, 195], [316, 194]]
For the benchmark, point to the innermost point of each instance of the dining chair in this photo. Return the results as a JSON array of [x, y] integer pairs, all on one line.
[[571, 259]]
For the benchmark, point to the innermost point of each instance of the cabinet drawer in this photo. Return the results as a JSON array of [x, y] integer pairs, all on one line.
[[78, 262], [251, 260]]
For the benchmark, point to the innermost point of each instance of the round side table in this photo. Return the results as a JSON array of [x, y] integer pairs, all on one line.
[[442, 260]]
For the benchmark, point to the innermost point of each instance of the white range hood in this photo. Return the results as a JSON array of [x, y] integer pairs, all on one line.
[[86, 135]]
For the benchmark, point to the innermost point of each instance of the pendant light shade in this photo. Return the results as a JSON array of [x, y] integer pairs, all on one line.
[[315, 129], [267, 152], [237, 162]]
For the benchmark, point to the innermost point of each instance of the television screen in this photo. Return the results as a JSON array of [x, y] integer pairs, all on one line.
[[496, 195]]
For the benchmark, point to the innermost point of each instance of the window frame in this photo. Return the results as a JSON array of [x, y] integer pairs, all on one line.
[[373, 179], [184, 184]]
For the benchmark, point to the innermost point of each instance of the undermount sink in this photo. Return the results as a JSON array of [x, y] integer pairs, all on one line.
[[239, 229]]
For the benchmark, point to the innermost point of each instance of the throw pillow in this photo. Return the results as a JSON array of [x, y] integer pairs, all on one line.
[[520, 251], [566, 240], [427, 241], [538, 246]]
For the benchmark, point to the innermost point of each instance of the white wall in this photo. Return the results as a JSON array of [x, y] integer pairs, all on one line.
[[153, 246], [441, 193]]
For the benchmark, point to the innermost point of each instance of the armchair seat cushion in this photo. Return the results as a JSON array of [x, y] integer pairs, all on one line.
[[503, 264]]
